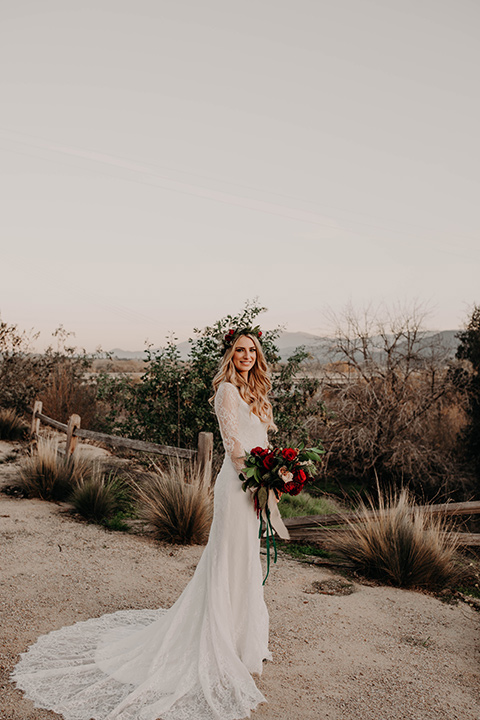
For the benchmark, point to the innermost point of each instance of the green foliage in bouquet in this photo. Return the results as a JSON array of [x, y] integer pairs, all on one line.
[[285, 470]]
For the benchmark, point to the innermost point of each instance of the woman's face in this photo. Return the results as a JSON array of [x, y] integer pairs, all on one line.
[[244, 355]]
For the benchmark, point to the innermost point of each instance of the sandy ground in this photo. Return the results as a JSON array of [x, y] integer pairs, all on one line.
[[376, 653]]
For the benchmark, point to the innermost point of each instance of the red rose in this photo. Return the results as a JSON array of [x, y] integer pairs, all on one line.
[[300, 476], [257, 451], [289, 454], [259, 334], [298, 489], [269, 461], [292, 488]]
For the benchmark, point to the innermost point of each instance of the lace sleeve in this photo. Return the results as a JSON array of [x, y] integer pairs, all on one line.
[[227, 402]]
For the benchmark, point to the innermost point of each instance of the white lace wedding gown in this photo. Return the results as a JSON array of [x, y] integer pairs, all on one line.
[[193, 661]]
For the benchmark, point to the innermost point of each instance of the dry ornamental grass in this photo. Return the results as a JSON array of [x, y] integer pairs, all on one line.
[[177, 502], [49, 475], [100, 495], [400, 543], [12, 426]]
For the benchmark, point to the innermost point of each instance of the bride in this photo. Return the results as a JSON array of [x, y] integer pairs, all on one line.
[[193, 661]]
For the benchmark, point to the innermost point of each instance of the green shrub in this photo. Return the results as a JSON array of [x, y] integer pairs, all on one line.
[[399, 543], [305, 504], [117, 522], [177, 502], [98, 497], [171, 405], [12, 426], [49, 475]]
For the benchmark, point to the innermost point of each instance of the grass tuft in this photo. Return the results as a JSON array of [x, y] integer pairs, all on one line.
[[177, 502], [50, 476], [12, 426], [100, 496], [305, 504], [399, 543], [303, 551]]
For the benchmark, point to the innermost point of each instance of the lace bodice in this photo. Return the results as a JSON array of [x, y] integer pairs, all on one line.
[[241, 430]]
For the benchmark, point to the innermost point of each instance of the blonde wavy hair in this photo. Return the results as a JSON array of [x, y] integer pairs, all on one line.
[[255, 390]]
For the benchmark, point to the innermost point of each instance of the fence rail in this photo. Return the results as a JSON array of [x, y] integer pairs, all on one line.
[[446, 509], [320, 528], [203, 454]]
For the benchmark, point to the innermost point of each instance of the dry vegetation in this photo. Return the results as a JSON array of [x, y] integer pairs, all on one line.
[[119, 365], [177, 501], [395, 410], [12, 427], [66, 392], [396, 541], [48, 475]]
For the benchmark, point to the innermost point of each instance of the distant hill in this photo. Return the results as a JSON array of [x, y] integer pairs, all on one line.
[[317, 345]]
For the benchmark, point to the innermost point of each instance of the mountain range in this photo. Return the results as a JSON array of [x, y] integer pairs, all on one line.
[[317, 345]]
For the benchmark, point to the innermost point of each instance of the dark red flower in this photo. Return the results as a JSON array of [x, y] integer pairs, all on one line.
[[269, 461], [298, 489], [289, 454], [257, 451], [300, 476], [293, 488], [259, 334]]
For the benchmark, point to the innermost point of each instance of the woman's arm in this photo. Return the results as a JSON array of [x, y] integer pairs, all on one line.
[[227, 403]]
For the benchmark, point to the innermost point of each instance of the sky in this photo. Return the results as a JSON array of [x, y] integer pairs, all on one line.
[[163, 161]]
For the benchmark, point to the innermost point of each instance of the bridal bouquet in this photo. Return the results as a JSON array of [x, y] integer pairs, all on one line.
[[282, 470], [271, 472]]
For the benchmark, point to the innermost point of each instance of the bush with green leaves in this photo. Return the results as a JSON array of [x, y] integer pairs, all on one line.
[[171, 403], [469, 379]]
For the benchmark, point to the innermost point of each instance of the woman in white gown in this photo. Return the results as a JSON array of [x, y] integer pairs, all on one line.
[[193, 661]]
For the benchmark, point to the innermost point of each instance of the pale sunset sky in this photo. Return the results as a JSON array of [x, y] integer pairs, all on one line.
[[162, 161]]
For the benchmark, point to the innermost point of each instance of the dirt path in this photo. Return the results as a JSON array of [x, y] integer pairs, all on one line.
[[376, 653]]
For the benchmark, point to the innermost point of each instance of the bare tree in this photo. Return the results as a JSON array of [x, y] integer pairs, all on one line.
[[395, 413]]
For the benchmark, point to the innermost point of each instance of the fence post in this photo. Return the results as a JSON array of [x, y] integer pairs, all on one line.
[[205, 455], [37, 408], [73, 422]]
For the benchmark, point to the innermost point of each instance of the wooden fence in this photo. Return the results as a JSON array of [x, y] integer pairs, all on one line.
[[319, 528], [203, 454], [309, 528]]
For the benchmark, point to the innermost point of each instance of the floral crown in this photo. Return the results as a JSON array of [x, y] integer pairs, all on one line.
[[233, 334]]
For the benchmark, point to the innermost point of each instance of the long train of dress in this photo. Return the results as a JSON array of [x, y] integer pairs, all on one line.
[[190, 662]]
